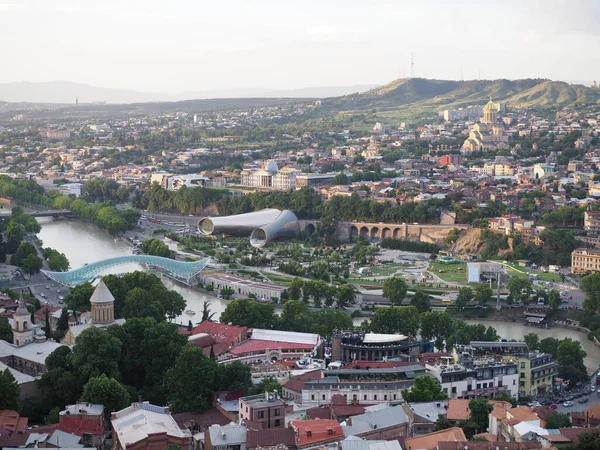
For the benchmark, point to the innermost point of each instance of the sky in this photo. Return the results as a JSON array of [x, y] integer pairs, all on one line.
[[196, 45]]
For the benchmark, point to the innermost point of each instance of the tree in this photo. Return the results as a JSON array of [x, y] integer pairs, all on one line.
[[268, 384], [141, 303], [78, 299], [421, 301], [9, 391], [155, 247], [424, 389], [96, 352], [394, 289], [247, 313], [191, 381], [23, 251], [480, 410], [14, 233], [6, 333], [295, 317], [106, 391], [234, 377], [442, 423], [207, 314], [549, 345], [438, 326], [590, 284], [465, 295], [340, 179], [53, 416], [149, 348], [324, 321], [396, 319], [31, 265], [558, 420], [60, 358], [226, 293], [570, 355], [63, 322], [520, 289], [295, 289], [589, 440], [532, 340], [345, 295], [483, 293], [554, 299]]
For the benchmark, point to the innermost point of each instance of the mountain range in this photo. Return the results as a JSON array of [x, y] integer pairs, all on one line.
[[414, 96], [67, 92]]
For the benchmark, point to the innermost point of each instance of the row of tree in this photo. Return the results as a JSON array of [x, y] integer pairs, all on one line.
[[295, 316]]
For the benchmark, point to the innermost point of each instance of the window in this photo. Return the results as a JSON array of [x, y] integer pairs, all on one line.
[[277, 422], [277, 413], [522, 365], [309, 433], [375, 397], [261, 414], [354, 397], [330, 432], [469, 387], [247, 407], [499, 383], [385, 397], [478, 385], [454, 389], [312, 397], [323, 396], [514, 382], [365, 397], [394, 396]]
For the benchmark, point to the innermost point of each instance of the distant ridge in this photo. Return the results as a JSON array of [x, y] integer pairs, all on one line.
[[67, 92], [419, 94]]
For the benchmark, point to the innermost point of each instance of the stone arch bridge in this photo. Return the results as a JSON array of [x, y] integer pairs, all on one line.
[[421, 232]]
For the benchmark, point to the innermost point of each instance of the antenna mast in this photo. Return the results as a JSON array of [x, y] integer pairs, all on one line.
[[412, 65]]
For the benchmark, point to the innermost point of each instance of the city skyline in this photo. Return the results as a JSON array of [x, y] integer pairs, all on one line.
[[194, 46]]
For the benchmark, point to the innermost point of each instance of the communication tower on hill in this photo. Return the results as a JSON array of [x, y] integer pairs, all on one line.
[[412, 65]]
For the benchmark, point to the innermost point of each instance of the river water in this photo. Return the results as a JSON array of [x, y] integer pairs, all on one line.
[[85, 243]]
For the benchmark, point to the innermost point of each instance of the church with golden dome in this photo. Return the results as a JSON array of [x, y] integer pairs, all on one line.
[[488, 135]]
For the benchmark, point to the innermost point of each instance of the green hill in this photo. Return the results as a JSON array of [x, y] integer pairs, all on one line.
[[417, 96]]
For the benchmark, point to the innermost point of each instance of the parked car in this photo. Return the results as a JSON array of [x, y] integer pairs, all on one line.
[[553, 406], [583, 400], [567, 404], [533, 404]]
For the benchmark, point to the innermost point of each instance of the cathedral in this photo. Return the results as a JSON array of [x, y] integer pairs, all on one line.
[[103, 313], [487, 135]]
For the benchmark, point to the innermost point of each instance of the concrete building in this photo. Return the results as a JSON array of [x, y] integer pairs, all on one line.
[[480, 377], [314, 179], [378, 385], [143, 426], [591, 221], [316, 433], [382, 424], [543, 170], [536, 373], [85, 420], [357, 345], [225, 437], [266, 409], [585, 260], [422, 416], [241, 286]]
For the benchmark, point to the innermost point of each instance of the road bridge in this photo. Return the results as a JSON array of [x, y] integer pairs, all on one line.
[[180, 270], [53, 213]]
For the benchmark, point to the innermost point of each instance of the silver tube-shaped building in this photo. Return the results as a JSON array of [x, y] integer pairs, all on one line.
[[262, 226]]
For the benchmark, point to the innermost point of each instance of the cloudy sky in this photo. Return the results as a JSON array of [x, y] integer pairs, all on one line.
[[179, 45]]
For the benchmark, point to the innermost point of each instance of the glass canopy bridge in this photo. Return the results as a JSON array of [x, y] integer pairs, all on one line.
[[179, 270]]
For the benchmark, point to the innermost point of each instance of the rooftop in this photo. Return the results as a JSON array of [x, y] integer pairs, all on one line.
[[102, 294], [83, 408], [140, 420], [317, 430], [429, 441], [226, 435]]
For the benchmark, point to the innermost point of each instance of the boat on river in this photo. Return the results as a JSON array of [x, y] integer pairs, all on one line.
[[189, 312]]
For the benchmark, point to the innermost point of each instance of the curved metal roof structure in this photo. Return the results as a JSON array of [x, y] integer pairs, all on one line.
[[262, 226], [180, 270]]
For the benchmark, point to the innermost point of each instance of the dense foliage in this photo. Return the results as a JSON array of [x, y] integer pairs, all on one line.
[[409, 246]]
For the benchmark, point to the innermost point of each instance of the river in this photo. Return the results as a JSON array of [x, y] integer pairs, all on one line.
[[85, 243]]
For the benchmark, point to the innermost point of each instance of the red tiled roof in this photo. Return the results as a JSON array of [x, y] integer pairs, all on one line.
[[319, 412], [297, 383], [257, 345], [80, 426], [348, 410], [12, 421], [211, 417], [220, 332], [318, 430]]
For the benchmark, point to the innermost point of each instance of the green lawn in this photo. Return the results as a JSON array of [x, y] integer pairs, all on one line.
[[456, 273], [515, 270]]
